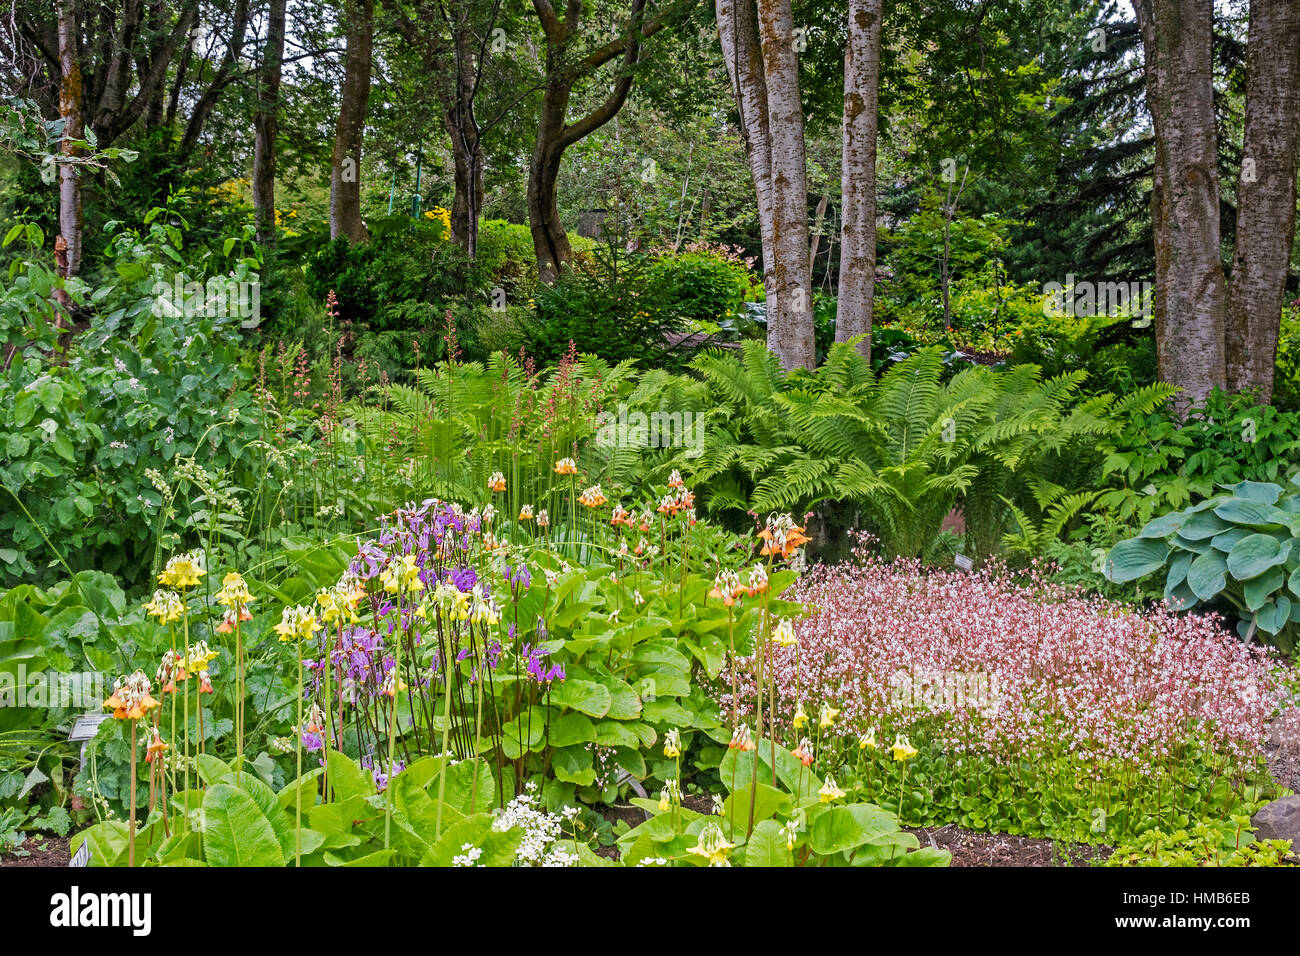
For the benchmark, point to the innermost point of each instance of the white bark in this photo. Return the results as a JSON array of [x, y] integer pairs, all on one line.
[[858, 174]]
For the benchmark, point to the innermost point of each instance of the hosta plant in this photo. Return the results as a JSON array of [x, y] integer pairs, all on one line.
[[1238, 546]]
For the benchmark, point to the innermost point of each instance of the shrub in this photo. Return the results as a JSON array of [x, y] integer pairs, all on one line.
[[703, 284], [607, 308]]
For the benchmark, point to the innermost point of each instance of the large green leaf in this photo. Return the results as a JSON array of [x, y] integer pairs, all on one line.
[[766, 846], [1274, 615], [1255, 513], [1135, 558], [1202, 525], [1207, 575], [843, 828], [1264, 492], [1255, 554], [1258, 590], [236, 832], [348, 778], [1164, 526]]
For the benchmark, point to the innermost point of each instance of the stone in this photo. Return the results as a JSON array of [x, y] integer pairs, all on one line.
[[1279, 820]]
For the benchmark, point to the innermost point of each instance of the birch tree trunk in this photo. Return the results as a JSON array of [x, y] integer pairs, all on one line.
[[1266, 195], [70, 221], [1176, 39], [738, 32], [858, 174], [345, 172], [266, 125], [789, 280]]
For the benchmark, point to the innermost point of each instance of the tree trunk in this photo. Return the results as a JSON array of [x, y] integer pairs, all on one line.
[[266, 125], [858, 175], [790, 323], [70, 221], [550, 241], [466, 145], [738, 33], [1176, 38], [554, 133], [1266, 196], [345, 173]]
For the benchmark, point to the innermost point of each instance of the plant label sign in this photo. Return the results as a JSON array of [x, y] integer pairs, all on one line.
[[86, 725], [82, 856], [963, 562]]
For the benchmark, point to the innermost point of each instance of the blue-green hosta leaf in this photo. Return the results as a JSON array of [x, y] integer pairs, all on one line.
[[1196, 547], [1135, 558], [1202, 525], [1258, 590], [1253, 513], [1265, 492], [1207, 575], [1180, 597], [1224, 542], [1293, 583], [1164, 526], [1255, 554], [1178, 566], [1274, 615]]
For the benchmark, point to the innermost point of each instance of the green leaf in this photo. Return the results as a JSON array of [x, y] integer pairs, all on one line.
[[1202, 525], [586, 696], [1207, 575], [1264, 492], [498, 847], [348, 778], [1255, 554], [1255, 513], [1258, 590], [1135, 558], [843, 828], [1163, 526], [766, 846], [236, 832]]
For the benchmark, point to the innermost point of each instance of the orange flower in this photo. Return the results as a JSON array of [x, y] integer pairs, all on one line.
[[782, 536], [727, 586], [497, 482], [566, 466], [131, 698], [156, 746], [593, 497]]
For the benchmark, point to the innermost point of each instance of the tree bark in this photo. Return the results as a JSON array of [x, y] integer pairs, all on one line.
[[70, 221], [266, 125], [1266, 196], [1176, 38], [858, 175], [790, 323], [345, 172], [738, 33], [554, 133]]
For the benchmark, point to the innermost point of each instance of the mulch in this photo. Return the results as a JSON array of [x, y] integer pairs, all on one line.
[[969, 848], [53, 852]]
